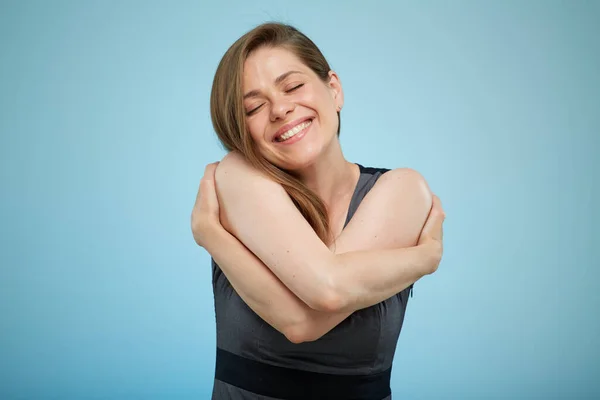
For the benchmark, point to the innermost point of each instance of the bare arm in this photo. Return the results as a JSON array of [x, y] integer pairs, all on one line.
[[339, 283], [265, 294]]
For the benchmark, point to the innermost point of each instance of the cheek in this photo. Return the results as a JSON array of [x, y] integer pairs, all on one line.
[[321, 98], [257, 127], [252, 132], [325, 106]]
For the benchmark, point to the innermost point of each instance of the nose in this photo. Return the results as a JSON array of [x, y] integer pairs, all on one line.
[[281, 108]]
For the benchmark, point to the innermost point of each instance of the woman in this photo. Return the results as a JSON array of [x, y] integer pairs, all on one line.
[[310, 288]]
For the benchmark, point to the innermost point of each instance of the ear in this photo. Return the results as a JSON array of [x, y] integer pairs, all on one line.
[[335, 85]]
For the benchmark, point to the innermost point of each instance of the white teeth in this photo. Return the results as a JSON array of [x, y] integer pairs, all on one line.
[[294, 131]]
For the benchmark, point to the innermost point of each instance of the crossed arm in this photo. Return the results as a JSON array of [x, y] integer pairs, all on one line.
[[288, 276]]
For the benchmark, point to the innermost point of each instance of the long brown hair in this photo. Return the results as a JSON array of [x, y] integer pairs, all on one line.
[[228, 115]]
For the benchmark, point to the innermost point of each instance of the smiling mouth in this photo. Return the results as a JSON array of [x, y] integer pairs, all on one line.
[[294, 131]]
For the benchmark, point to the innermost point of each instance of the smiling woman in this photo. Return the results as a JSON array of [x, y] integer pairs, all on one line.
[[323, 250], [298, 91]]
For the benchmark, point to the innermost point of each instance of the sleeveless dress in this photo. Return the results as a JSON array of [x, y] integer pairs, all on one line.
[[353, 361]]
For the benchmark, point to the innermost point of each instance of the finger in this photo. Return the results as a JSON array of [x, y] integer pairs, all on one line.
[[208, 194], [437, 204], [199, 193], [209, 175], [209, 171], [435, 220], [433, 223], [207, 188], [437, 208]]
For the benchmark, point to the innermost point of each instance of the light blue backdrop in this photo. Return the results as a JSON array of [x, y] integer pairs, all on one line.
[[105, 132]]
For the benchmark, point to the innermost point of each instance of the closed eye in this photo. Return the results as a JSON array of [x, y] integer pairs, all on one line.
[[295, 88], [254, 110]]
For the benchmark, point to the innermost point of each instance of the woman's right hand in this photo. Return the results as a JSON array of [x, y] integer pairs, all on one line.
[[205, 214], [432, 232]]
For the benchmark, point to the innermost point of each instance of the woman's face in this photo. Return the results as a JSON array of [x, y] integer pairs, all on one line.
[[290, 112]]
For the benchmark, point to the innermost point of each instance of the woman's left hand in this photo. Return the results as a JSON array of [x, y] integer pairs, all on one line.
[[205, 214], [433, 232]]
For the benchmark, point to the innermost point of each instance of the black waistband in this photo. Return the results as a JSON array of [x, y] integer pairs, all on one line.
[[292, 384]]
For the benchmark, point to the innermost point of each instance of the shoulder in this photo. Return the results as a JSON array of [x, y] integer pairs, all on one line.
[[386, 174], [234, 162], [234, 166], [399, 198], [235, 173], [403, 184], [401, 179]]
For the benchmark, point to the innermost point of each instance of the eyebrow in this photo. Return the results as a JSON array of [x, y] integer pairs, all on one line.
[[278, 80]]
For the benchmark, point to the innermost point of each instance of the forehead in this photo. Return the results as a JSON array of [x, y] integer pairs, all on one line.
[[265, 64]]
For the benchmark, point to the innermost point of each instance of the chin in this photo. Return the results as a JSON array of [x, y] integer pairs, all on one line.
[[299, 163]]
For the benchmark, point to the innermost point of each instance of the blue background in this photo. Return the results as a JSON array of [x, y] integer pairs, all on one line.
[[105, 131]]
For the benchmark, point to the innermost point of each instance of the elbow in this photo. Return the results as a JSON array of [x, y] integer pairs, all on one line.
[[325, 294], [301, 333], [433, 251], [329, 300], [298, 329], [331, 296], [296, 334]]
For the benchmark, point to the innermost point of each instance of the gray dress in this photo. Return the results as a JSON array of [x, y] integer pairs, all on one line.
[[351, 362]]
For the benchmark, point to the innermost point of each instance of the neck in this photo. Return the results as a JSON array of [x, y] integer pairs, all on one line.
[[331, 177]]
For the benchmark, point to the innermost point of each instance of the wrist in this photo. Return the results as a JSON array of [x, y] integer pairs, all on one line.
[[211, 233], [431, 251]]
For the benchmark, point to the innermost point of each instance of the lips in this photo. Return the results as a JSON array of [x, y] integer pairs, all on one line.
[[289, 126]]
